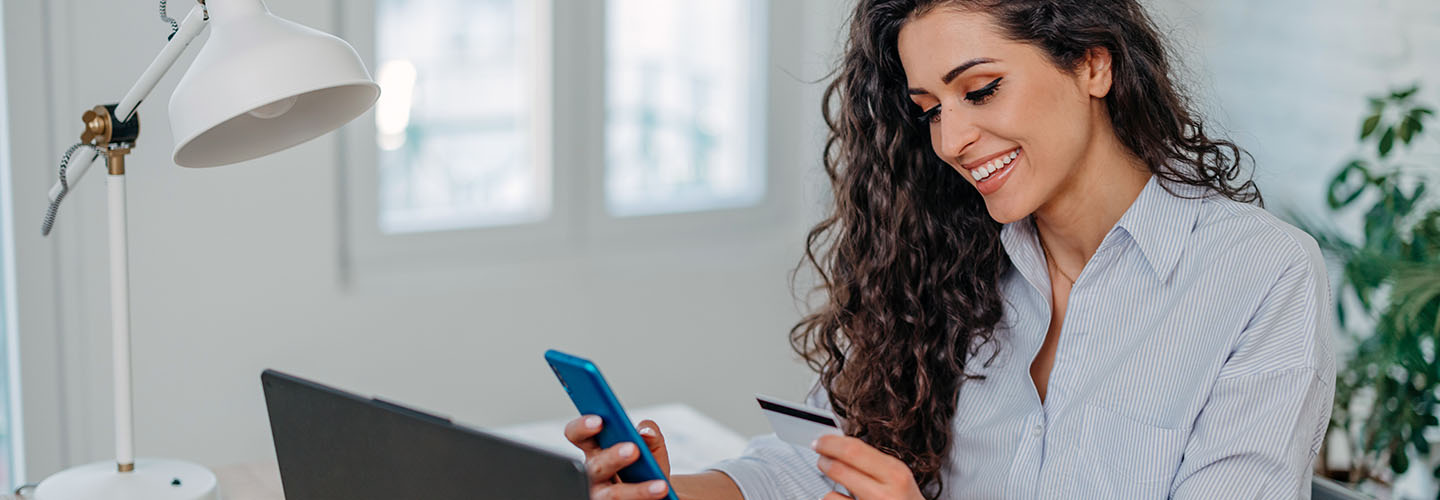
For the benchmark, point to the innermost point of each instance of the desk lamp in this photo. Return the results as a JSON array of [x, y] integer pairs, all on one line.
[[259, 85]]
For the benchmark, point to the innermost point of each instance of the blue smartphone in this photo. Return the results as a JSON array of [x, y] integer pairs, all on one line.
[[592, 396]]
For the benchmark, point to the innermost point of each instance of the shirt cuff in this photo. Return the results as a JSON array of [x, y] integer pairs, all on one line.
[[751, 477]]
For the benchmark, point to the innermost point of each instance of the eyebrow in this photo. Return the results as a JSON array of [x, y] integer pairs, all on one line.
[[955, 73]]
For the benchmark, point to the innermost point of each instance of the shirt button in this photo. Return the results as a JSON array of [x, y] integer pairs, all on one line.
[[1039, 429]]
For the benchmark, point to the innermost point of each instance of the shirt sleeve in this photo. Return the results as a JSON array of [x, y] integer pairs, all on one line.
[[1261, 428], [771, 469]]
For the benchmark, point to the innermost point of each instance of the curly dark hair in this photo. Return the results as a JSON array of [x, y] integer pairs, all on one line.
[[909, 261]]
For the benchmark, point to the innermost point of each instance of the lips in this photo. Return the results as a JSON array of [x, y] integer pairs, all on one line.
[[988, 159], [983, 169], [991, 173]]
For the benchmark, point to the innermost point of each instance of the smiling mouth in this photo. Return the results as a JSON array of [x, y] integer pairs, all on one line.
[[989, 168]]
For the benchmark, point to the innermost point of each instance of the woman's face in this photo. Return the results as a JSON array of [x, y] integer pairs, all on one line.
[[1000, 113]]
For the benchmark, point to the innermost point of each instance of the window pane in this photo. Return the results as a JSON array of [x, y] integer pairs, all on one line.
[[453, 121], [683, 112]]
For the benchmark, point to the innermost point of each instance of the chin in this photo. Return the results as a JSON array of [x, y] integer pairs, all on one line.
[[1004, 212]]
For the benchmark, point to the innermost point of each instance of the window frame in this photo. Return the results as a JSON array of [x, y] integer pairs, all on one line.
[[9, 322], [359, 171], [572, 55]]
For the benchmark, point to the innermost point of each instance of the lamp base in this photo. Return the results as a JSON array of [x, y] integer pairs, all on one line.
[[152, 479]]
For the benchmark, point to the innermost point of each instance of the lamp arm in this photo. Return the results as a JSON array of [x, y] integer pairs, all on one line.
[[190, 28]]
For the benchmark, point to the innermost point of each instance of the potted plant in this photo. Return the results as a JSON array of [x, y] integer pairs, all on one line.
[[1388, 302]]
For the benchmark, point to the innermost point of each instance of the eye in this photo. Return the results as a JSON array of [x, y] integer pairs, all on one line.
[[931, 115], [978, 97]]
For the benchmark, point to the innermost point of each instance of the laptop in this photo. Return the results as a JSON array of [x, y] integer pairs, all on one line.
[[332, 444]]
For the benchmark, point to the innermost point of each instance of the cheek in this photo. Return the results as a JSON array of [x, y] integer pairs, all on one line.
[[1055, 122]]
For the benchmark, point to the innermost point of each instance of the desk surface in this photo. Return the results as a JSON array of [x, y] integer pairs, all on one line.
[[239, 482], [695, 441]]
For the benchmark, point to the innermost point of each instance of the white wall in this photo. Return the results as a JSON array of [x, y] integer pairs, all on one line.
[[242, 268], [1288, 78]]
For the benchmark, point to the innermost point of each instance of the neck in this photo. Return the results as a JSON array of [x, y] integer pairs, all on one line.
[[1074, 221]]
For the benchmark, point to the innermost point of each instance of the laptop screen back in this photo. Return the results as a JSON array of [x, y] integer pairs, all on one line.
[[335, 445]]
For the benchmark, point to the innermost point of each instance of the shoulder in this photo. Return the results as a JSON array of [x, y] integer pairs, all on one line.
[[1281, 270], [1254, 242]]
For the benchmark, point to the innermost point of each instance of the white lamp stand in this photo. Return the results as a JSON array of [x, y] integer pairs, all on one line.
[[151, 480], [260, 84]]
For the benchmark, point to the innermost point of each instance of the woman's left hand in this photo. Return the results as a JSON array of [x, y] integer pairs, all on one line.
[[866, 472]]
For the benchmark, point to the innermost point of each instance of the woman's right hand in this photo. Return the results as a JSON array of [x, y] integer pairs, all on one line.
[[603, 463]]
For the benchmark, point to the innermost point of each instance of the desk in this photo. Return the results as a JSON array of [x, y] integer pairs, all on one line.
[[695, 441]]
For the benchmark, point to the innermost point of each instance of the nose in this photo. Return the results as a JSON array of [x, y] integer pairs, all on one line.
[[957, 134]]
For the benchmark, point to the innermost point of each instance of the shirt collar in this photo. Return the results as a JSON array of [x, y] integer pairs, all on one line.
[[1158, 221], [1161, 219]]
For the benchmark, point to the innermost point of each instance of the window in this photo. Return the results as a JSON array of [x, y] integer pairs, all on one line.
[[682, 124], [454, 124], [513, 131], [459, 129]]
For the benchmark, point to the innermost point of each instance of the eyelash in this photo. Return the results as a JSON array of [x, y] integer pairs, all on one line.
[[977, 97]]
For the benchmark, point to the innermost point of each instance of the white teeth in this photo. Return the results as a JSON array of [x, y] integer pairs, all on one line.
[[984, 171]]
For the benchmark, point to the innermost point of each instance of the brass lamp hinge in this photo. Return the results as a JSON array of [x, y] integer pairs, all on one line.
[[97, 126], [102, 129]]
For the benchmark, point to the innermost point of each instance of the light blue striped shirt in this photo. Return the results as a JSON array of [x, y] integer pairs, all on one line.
[[1194, 362]]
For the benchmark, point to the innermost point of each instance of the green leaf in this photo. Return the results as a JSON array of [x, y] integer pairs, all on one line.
[[1387, 141], [1368, 128], [1424, 111], [1419, 191], [1405, 93], [1416, 292], [1399, 462], [1399, 204], [1344, 187], [1407, 129]]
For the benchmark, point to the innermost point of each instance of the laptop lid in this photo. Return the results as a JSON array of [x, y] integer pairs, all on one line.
[[332, 444]]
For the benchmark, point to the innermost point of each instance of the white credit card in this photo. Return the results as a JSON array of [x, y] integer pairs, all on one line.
[[797, 424]]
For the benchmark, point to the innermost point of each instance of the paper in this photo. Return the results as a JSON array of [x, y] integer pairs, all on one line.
[[694, 441]]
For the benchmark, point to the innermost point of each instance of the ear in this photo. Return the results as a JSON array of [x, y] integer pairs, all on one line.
[[1096, 71]]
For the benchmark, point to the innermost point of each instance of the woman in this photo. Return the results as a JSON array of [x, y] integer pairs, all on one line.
[[1043, 279]]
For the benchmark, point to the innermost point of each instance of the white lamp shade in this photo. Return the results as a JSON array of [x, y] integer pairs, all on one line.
[[262, 84]]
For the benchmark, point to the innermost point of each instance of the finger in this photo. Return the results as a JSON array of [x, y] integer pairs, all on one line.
[[649, 490], [858, 483], [835, 496], [607, 462], [581, 433], [650, 432], [655, 440], [859, 455]]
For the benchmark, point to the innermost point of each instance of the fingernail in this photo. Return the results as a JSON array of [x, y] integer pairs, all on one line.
[[647, 431], [815, 445], [657, 487], [627, 449], [592, 422]]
